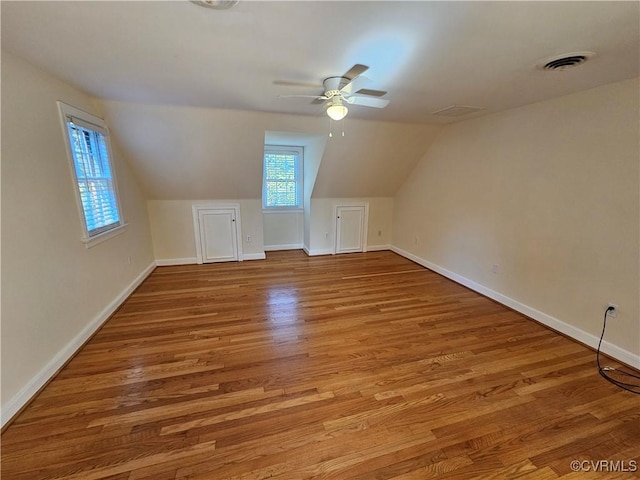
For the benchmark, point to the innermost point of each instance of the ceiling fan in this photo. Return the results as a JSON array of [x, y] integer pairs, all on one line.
[[340, 91]]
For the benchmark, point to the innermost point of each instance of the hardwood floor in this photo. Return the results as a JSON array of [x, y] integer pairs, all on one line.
[[353, 367]]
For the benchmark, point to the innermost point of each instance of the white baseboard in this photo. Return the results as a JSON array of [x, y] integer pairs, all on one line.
[[328, 251], [165, 262], [254, 256], [576, 333], [290, 246], [377, 248], [319, 251], [25, 394]]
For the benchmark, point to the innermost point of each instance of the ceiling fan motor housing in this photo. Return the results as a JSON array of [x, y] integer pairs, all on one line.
[[333, 85]]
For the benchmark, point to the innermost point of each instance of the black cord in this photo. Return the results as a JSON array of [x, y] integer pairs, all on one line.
[[629, 387]]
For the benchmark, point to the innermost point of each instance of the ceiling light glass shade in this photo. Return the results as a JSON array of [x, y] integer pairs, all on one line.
[[337, 111]]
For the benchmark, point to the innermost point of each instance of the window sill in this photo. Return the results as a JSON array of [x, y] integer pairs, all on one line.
[[282, 210], [93, 241]]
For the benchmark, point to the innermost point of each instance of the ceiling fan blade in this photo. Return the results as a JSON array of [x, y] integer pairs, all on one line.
[[297, 84], [354, 85], [372, 93], [301, 96], [355, 71], [319, 100], [368, 101]]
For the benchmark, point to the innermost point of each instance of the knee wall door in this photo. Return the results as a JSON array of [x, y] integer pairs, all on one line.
[[350, 229], [216, 234]]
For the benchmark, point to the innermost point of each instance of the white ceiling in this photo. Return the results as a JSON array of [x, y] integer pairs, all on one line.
[[427, 55]]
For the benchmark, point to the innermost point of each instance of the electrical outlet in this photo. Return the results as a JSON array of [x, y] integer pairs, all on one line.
[[248, 238], [495, 268], [379, 233], [612, 313], [129, 259]]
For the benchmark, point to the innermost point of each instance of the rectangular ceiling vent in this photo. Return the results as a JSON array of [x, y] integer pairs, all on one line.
[[457, 110]]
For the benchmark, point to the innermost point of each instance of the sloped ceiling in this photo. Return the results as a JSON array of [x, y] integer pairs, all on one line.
[[196, 153], [190, 92], [373, 158]]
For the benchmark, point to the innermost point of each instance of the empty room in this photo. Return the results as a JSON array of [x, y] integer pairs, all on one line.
[[351, 240]]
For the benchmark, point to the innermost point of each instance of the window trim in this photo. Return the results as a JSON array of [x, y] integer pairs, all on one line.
[[299, 150], [90, 121]]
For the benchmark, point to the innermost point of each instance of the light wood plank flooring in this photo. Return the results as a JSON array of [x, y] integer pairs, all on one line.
[[353, 367]]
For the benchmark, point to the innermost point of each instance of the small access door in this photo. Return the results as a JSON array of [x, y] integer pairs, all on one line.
[[350, 228], [217, 233]]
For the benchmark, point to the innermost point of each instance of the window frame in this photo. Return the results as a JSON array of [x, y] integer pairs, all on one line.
[[288, 149], [91, 122]]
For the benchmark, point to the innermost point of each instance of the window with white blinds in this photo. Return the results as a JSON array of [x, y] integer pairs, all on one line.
[[88, 145], [282, 180]]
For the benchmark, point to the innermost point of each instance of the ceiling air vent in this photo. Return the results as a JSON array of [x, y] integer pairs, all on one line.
[[566, 61], [456, 110]]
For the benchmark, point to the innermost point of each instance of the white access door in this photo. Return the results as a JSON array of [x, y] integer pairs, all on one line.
[[218, 235], [350, 229]]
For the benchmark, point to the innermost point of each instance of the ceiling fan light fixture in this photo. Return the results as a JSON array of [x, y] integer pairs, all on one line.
[[337, 111]]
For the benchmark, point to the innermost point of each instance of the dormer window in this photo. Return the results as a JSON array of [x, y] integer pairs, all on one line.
[[282, 178]]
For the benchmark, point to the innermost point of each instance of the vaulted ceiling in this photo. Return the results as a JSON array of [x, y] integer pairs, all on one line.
[[190, 91]]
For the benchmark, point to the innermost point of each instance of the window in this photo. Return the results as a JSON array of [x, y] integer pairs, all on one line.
[[282, 180], [88, 147]]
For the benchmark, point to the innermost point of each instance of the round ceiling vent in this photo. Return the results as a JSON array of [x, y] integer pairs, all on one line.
[[566, 61], [216, 4]]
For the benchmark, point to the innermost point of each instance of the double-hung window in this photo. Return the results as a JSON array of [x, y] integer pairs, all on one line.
[[87, 140], [282, 179]]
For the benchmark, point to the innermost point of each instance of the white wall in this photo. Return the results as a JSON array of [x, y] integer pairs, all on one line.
[[313, 155], [323, 223], [54, 290], [548, 192], [283, 230], [173, 233]]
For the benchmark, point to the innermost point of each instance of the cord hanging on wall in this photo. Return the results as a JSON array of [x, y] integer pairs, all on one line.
[[624, 377]]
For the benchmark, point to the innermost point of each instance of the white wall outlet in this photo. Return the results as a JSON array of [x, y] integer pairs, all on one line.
[[248, 238], [612, 313], [495, 268]]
